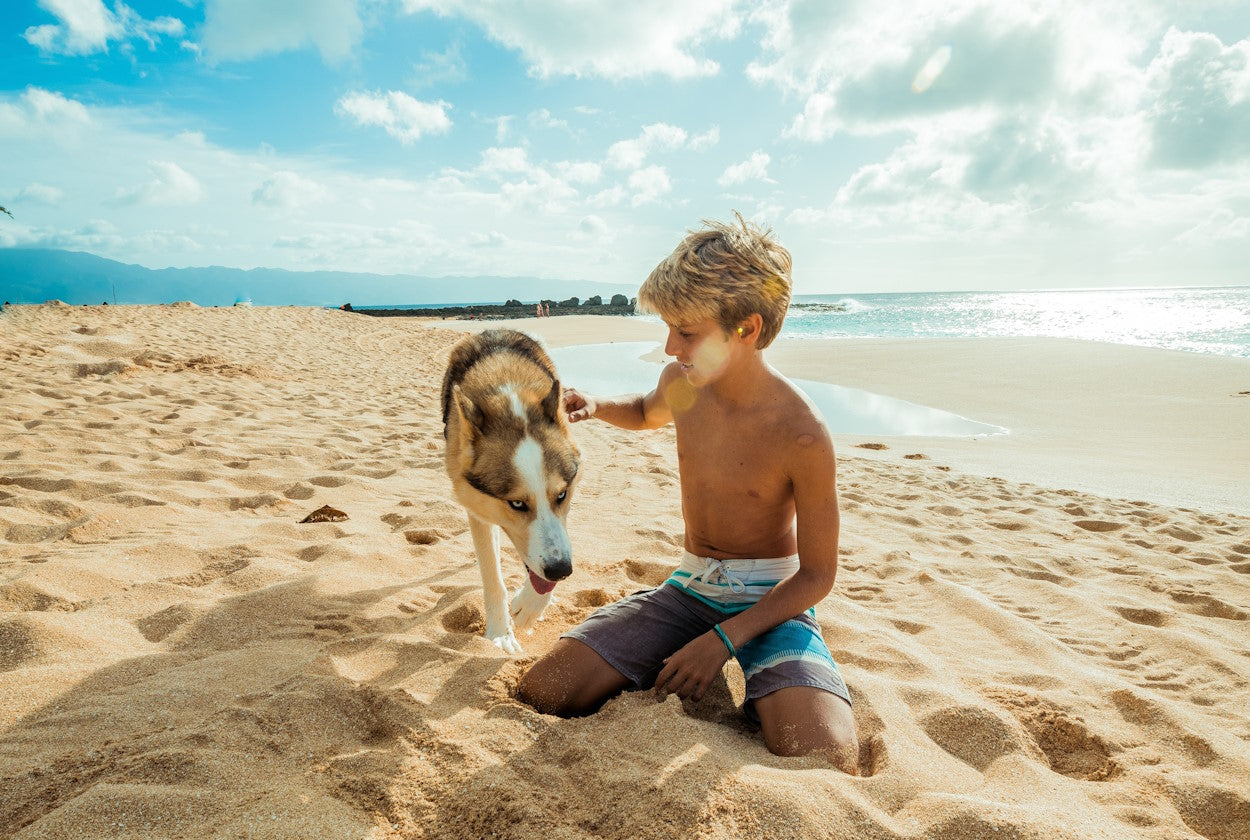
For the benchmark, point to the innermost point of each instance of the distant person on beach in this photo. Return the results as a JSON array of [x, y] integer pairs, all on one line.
[[760, 505]]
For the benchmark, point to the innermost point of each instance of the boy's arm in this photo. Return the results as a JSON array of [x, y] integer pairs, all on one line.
[[813, 472], [630, 411]]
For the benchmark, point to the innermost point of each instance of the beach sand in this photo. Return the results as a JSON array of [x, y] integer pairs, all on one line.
[[1047, 634]]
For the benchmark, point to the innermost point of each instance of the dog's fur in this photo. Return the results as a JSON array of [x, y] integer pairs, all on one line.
[[513, 467]]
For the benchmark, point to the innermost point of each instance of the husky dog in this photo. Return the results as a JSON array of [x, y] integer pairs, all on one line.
[[512, 466]]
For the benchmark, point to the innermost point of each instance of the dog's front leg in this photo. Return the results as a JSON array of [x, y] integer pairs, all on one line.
[[498, 623], [527, 606]]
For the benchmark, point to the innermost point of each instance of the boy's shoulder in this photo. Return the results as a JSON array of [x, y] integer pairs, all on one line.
[[791, 413]]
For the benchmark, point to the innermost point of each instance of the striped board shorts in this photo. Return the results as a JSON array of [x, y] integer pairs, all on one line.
[[635, 634]]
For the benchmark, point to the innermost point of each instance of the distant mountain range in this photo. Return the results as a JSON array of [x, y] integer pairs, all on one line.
[[35, 275]]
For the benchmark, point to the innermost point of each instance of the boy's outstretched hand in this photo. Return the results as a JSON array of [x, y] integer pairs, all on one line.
[[578, 405], [689, 671]]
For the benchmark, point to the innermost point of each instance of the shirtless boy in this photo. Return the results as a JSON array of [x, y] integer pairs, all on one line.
[[757, 481]]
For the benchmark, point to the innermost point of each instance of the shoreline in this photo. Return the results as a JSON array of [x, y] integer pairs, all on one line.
[[1165, 426]]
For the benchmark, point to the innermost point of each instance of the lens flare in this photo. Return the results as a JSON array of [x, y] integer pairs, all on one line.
[[932, 69], [710, 355], [680, 395]]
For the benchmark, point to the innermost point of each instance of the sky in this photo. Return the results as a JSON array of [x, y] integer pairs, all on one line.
[[891, 145]]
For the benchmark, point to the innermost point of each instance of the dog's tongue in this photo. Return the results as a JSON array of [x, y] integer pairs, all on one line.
[[541, 585]]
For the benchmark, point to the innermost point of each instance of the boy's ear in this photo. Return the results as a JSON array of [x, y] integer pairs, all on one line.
[[749, 327]]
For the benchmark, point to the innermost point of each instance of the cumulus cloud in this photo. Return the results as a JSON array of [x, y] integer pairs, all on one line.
[[238, 30], [41, 111], [288, 190], [87, 26], [1201, 113], [754, 168], [41, 194], [600, 37], [172, 185], [404, 118], [649, 185], [630, 154], [706, 140]]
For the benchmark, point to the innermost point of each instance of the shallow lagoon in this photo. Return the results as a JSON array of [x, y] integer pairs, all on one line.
[[634, 366]]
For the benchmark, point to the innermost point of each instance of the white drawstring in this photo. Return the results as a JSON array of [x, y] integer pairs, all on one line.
[[716, 568]]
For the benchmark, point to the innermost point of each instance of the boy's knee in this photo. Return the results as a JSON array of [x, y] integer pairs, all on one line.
[[841, 748], [537, 690]]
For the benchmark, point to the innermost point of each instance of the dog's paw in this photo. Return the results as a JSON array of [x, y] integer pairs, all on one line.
[[505, 641], [527, 607]]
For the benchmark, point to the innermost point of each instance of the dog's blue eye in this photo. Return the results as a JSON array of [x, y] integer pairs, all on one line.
[[518, 505], [561, 497]]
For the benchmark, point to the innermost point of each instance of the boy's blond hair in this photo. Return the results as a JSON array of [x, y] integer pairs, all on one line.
[[724, 272]]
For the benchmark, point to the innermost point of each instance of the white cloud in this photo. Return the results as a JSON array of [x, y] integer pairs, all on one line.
[[87, 26], [238, 30], [754, 168], [288, 190], [1201, 112], [41, 194], [542, 118], [649, 184], [501, 161], [600, 37], [172, 185], [39, 111], [404, 118], [630, 154], [582, 172], [706, 140], [443, 67], [592, 227]]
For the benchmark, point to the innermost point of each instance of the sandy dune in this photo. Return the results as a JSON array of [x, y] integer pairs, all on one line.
[[180, 658]]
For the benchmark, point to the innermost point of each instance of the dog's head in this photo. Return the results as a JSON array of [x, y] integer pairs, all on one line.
[[519, 467]]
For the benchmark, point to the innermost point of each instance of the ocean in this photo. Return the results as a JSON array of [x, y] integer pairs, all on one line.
[[1201, 320]]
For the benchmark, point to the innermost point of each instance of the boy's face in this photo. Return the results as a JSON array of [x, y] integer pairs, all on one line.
[[702, 348]]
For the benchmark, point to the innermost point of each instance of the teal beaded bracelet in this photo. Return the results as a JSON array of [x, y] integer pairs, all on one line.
[[733, 654]]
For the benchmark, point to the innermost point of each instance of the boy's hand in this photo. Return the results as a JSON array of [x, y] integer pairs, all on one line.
[[689, 671], [578, 405]]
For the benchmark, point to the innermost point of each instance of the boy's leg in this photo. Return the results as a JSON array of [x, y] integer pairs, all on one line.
[[798, 695], [570, 680], [620, 646], [801, 719]]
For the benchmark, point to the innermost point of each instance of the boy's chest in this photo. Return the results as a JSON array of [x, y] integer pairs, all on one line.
[[718, 459]]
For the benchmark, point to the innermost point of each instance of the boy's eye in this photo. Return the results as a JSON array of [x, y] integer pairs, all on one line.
[[518, 505]]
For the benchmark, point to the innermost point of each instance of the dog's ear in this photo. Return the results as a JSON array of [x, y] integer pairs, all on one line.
[[473, 416], [551, 402]]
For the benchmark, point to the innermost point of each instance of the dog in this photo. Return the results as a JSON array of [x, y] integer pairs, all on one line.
[[513, 467]]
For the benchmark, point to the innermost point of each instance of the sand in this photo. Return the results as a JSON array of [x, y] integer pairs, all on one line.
[[1046, 635]]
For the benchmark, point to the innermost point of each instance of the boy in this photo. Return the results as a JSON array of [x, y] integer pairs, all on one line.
[[757, 481]]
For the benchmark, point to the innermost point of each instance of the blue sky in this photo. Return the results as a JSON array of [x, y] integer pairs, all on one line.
[[891, 145]]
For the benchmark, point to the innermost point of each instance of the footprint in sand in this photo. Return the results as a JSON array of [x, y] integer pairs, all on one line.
[[1099, 526], [424, 536], [647, 572], [1070, 747], [464, 618], [976, 735], [1143, 615]]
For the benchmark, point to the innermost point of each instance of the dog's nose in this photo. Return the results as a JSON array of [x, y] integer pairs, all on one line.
[[558, 569]]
